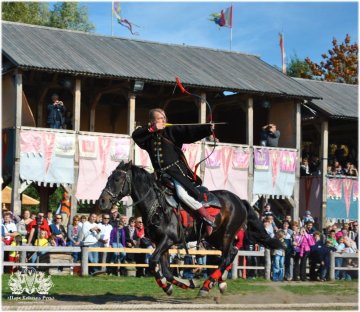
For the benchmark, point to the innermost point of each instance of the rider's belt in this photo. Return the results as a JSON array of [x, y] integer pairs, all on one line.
[[163, 169]]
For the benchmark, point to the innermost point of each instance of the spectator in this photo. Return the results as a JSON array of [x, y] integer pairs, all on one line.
[[144, 242], [267, 210], [278, 259], [288, 261], [350, 169], [307, 217], [104, 240], [33, 216], [309, 227], [353, 232], [117, 240], [83, 219], [41, 241], [268, 227], [130, 238], [340, 274], [314, 165], [65, 209], [49, 217], [269, 136], [336, 169], [73, 236], [55, 110], [304, 167], [319, 257], [91, 234], [303, 242], [37, 225], [288, 219], [332, 238], [58, 231], [9, 230], [115, 216], [23, 224], [124, 220]]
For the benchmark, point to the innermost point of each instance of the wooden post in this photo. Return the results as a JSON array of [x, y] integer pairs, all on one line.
[[77, 105], [250, 142], [84, 261], [202, 119], [297, 172], [235, 268], [131, 113], [77, 110], [15, 194], [93, 111], [267, 264], [332, 266], [324, 163]]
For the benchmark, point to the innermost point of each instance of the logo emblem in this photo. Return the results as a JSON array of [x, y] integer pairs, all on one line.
[[30, 282]]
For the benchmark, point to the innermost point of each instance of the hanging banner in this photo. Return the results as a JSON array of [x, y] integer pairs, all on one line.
[[272, 181], [142, 159], [47, 157], [192, 153], [94, 172], [287, 161], [342, 198]]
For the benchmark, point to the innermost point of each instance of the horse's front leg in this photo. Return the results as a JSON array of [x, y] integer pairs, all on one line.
[[180, 282], [154, 267]]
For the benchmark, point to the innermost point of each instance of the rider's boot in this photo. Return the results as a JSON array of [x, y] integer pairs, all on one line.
[[208, 219]]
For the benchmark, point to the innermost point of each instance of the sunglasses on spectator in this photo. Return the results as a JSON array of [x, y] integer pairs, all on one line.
[[59, 218], [106, 218], [139, 221]]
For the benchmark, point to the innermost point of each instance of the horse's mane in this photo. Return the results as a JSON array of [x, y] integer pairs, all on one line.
[[141, 174]]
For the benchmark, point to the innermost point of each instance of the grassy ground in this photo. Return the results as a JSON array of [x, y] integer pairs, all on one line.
[[132, 286]]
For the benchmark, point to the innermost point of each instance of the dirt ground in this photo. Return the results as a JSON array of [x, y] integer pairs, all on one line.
[[276, 299]]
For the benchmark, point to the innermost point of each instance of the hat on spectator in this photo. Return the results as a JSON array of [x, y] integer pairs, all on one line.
[[307, 213]]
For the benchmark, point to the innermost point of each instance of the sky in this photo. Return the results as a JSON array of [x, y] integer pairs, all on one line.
[[308, 27]]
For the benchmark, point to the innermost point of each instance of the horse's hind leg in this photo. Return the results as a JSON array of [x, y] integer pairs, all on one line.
[[220, 274], [180, 282]]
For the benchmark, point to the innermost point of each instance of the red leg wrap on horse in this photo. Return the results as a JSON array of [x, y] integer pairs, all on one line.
[[229, 267], [216, 274]]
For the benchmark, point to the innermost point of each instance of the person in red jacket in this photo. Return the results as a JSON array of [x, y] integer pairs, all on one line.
[[40, 223]]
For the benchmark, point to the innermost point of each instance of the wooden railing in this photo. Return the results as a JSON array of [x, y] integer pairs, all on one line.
[[85, 262]]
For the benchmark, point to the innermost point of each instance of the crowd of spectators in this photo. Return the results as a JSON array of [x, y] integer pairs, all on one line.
[[303, 244]]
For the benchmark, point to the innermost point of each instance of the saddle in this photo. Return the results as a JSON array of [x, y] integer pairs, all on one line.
[[166, 181]]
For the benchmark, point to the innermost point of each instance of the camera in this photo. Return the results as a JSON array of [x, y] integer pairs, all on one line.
[[38, 220]]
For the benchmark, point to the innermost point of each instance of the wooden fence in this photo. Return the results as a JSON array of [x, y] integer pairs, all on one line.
[[181, 252]]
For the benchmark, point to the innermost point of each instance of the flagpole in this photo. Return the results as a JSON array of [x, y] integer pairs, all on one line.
[[112, 19], [231, 25]]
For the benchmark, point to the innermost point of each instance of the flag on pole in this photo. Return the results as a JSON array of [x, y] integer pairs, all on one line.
[[282, 48], [223, 19], [123, 21]]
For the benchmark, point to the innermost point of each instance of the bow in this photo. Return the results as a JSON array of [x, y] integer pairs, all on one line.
[[183, 90]]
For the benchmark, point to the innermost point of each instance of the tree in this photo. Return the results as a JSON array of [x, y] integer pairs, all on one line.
[[339, 65], [69, 15], [36, 13], [65, 15], [298, 68]]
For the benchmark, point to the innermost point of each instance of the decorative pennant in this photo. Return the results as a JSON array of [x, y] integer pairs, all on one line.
[[334, 188], [49, 144], [240, 158], [120, 149], [287, 161], [88, 147], [31, 142], [214, 161], [65, 145], [104, 148], [355, 190], [275, 160], [261, 158], [348, 185]]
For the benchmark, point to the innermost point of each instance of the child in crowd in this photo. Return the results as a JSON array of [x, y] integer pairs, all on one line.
[[42, 241], [278, 259]]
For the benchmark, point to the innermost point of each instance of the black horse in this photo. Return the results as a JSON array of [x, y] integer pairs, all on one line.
[[163, 227]]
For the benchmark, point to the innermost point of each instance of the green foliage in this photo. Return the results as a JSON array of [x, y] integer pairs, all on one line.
[[36, 13], [65, 15], [69, 15], [32, 192], [298, 68]]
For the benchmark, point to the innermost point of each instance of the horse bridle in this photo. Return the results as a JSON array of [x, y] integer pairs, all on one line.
[[114, 197]]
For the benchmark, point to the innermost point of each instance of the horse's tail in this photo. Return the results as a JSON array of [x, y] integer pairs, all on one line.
[[256, 230]]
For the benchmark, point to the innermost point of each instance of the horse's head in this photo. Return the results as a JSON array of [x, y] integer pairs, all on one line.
[[117, 186]]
